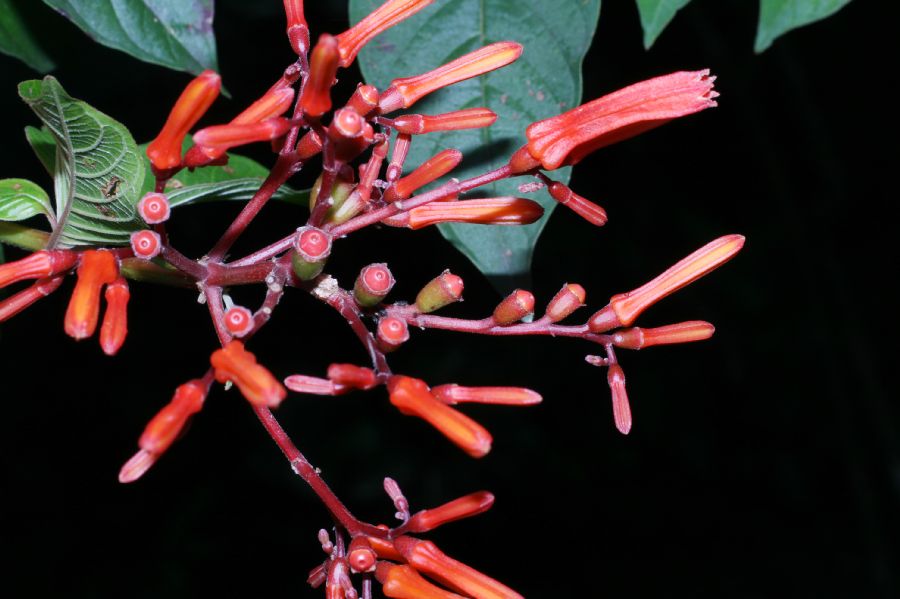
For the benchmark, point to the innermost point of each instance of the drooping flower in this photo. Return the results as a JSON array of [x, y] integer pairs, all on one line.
[[97, 268], [234, 363]]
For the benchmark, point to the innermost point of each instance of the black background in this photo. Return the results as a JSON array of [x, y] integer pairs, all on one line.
[[763, 463]]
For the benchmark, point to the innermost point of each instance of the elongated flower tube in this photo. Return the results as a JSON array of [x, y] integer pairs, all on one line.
[[413, 398], [313, 385], [220, 138], [39, 265], [507, 396], [403, 582], [425, 557], [234, 363], [164, 152], [297, 28], [567, 138], [683, 332], [625, 307], [489, 211], [405, 92], [14, 304], [581, 206], [379, 20], [429, 171], [463, 507], [115, 320], [316, 98], [615, 376], [97, 268], [470, 118], [441, 291]]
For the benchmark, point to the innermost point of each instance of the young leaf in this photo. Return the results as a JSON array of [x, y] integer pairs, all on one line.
[[543, 82], [777, 17], [176, 34], [21, 199], [17, 41], [97, 169], [656, 15]]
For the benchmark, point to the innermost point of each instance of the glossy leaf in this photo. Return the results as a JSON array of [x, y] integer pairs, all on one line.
[[16, 39], [44, 146], [777, 17], [97, 169], [21, 199], [545, 81], [173, 33], [656, 15]]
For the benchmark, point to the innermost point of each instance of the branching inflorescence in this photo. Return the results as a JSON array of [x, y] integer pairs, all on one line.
[[368, 130]]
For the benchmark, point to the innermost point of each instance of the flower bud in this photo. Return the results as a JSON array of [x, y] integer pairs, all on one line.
[[97, 268], [431, 170], [402, 582], [308, 146], [379, 20], [164, 152], [464, 507], [39, 265], [384, 548], [441, 291], [398, 157], [683, 332], [360, 555], [115, 320], [567, 300], [489, 211], [373, 284], [583, 207], [392, 333], [413, 398], [273, 103], [323, 64], [403, 93], [154, 208], [364, 100], [146, 244], [300, 383], [14, 304], [234, 363], [297, 29], [508, 396], [312, 246], [219, 138], [516, 306], [353, 376], [615, 376], [470, 118], [239, 321], [340, 191]]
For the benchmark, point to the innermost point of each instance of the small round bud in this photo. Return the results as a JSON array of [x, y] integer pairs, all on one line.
[[312, 246], [154, 208], [373, 284], [567, 300], [239, 321], [516, 306], [146, 244], [439, 292], [360, 555], [392, 333]]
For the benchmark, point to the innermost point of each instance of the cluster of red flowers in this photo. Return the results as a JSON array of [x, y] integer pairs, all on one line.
[[346, 199]]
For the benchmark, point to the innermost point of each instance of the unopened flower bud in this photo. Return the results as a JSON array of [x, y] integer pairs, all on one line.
[[567, 300], [164, 152], [391, 333], [312, 246], [683, 332], [353, 376], [115, 320], [441, 291], [346, 124], [464, 507], [97, 268], [154, 208], [297, 29], [239, 321], [373, 284], [514, 307], [308, 146], [360, 555], [453, 394], [219, 138], [273, 103], [313, 385], [323, 64], [615, 376], [470, 118], [431, 170], [234, 363], [14, 304], [340, 191], [413, 398], [146, 244], [583, 207], [379, 20], [39, 265], [364, 100], [505, 210], [398, 156], [405, 92]]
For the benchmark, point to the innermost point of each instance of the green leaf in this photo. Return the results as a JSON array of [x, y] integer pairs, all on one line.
[[543, 82], [17, 41], [176, 34], [44, 146], [777, 17], [656, 15], [21, 199], [97, 170]]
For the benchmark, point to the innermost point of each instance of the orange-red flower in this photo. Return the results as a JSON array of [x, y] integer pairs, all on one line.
[[382, 18], [297, 29], [462, 507], [469, 118], [115, 320], [14, 304], [505, 210], [431, 170], [45, 263], [403, 582], [97, 268], [323, 65], [453, 394], [234, 363], [683, 332]]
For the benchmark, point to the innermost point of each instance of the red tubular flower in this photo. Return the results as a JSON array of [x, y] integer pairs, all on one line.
[[398, 156], [463, 507], [403, 93], [338, 578], [220, 138], [239, 321], [97, 268], [146, 244], [164, 152], [567, 300], [441, 291], [379, 20], [489, 211], [567, 138], [625, 307], [115, 320], [514, 307], [154, 208], [470, 118], [615, 376], [364, 100], [297, 29], [353, 376], [583, 207], [308, 146], [413, 398], [14, 304], [425, 557], [508, 396], [373, 284], [313, 385], [323, 64], [234, 363], [402, 582], [432, 169], [384, 548], [683, 332], [39, 265]]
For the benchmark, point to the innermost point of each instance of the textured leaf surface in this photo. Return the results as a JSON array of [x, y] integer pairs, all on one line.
[[44, 146], [543, 82], [21, 199], [656, 15], [173, 33], [777, 17], [97, 170], [16, 39]]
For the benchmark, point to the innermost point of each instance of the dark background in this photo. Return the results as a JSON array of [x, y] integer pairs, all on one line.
[[762, 463]]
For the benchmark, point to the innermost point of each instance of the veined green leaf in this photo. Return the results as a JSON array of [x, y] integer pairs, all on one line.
[[21, 199], [543, 82], [173, 33], [777, 17], [97, 170], [44, 146], [656, 15], [16, 39]]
